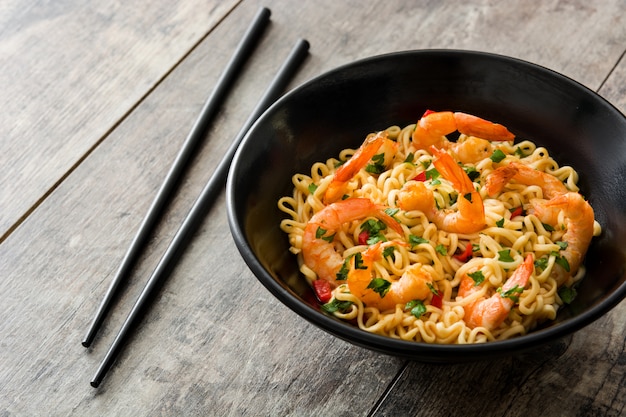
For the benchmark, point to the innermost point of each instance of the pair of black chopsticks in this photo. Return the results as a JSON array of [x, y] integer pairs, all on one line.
[[211, 190]]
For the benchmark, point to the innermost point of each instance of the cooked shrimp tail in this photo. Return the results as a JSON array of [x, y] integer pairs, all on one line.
[[432, 128], [470, 216], [578, 219], [338, 185]]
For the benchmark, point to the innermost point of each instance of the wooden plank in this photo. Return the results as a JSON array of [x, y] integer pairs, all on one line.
[[70, 72], [216, 342]]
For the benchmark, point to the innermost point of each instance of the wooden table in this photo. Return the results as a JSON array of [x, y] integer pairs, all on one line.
[[96, 100]]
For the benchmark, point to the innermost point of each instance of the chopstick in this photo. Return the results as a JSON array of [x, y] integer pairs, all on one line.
[[200, 207], [242, 52]]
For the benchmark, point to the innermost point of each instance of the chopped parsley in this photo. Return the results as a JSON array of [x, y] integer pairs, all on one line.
[[505, 255], [541, 263], [561, 260], [441, 250], [342, 274], [392, 211], [567, 294], [378, 165], [312, 187], [472, 172], [562, 245], [432, 174], [432, 288], [388, 251], [497, 156], [335, 305], [380, 286], [500, 223], [512, 294], [319, 234], [416, 307], [547, 227], [477, 276], [358, 261], [416, 240], [410, 158], [374, 229]]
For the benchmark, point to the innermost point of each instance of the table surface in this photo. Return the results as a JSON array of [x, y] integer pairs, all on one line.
[[97, 99]]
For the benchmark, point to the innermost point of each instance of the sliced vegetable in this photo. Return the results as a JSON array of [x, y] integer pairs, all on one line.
[[437, 301], [517, 211], [466, 254], [363, 237], [420, 177], [322, 290]]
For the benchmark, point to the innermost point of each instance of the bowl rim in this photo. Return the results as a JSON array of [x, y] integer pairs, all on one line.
[[385, 344]]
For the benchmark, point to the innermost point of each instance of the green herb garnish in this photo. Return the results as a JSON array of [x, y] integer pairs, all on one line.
[[505, 255], [497, 156], [416, 307], [379, 285], [336, 305], [319, 234], [378, 166], [416, 240], [512, 294], [567, 294], [477, 276]]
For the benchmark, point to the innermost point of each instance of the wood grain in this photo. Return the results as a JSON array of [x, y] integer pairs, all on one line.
[[216, 342], [70, 71]]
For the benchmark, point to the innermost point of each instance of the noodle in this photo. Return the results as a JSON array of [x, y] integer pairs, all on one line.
[[496, 251]]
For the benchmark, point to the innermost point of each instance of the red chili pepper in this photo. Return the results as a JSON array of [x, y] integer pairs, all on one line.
[[420, 177], [437, 301], [517, 212], [427, 112], [466, 254], [363, 237], [322, 290]]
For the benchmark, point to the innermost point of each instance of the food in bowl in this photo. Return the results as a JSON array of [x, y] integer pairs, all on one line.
[[422, 237]]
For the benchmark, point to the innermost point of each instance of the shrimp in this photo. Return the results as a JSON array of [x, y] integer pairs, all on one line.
[[338, 185], [470, 216], [414, 284], [318, 250], [491, 312], [578, 217], [523, 174], [432, 128]]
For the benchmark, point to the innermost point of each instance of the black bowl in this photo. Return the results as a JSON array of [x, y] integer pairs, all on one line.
[[338, 109]]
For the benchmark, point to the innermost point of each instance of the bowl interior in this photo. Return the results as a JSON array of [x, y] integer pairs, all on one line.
[[338, 109]]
